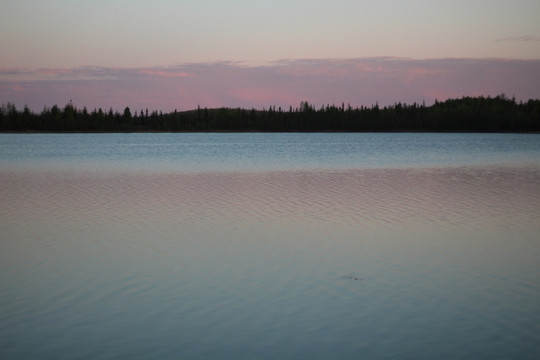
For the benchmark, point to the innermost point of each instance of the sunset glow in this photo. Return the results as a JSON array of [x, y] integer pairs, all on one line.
[[181, 54]]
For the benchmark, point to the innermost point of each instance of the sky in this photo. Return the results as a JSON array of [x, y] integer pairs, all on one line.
[[165, 55]]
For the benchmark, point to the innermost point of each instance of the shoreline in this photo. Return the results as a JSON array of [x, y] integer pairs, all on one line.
[[468, 114], [272, 132]]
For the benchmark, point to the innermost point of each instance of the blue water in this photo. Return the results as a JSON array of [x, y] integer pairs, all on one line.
[[269, 246], [261, 151]]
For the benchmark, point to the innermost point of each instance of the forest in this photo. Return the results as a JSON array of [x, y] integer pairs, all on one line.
[[468, 114]]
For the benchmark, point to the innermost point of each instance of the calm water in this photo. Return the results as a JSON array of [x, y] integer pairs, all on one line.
[[270, 246]]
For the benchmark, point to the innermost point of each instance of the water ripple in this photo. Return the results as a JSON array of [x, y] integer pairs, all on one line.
[[228, 258]]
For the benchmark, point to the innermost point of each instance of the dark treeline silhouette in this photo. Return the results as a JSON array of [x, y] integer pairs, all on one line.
[[478, 114]]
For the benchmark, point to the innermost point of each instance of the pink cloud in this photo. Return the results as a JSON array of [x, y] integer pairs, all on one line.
[[161, 73], [59, 72], [362, 81], [262, 96], [414, 74]]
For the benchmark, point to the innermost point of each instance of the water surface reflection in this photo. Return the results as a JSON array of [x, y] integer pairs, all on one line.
[[243, 264]]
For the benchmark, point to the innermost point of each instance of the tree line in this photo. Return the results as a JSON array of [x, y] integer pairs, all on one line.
[[478, 114]]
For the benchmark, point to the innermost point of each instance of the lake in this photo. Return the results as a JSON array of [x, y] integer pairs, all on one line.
[[270, 246]]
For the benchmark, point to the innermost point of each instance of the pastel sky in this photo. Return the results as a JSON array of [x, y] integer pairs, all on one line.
[[166, 54]]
